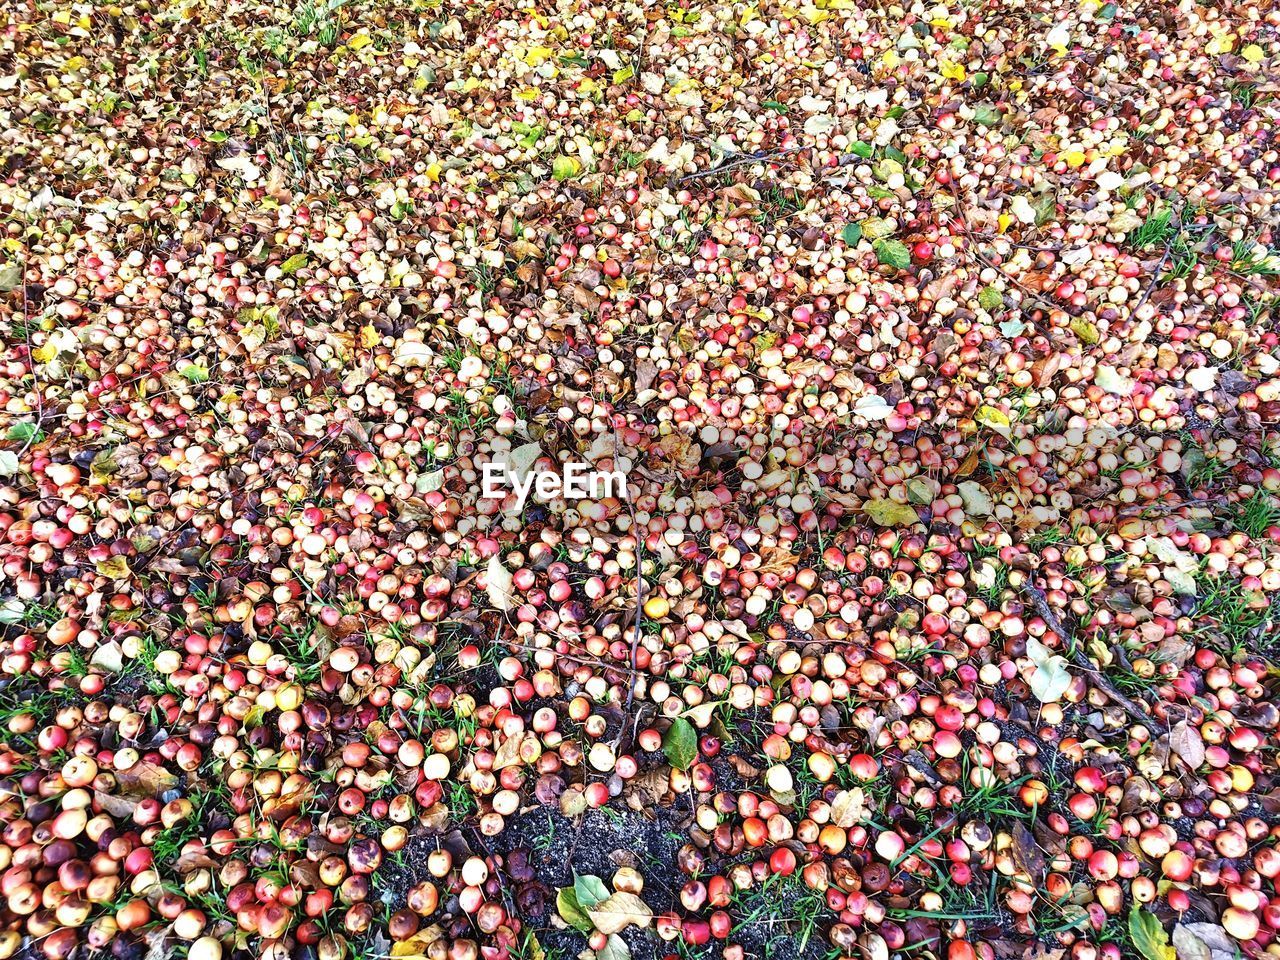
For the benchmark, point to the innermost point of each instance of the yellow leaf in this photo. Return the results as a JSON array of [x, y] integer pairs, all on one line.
[[1074, 158], [890, 59], [528, 94], [62, 16], [537, 56], [1003, 222], [117, 568], [471, 83], [1085, 330], [952, 71], [369, 337], [359, 41], [749, 14], [1222, 43], [994, 419], [45, 353], [889, 513], [1252, 53]]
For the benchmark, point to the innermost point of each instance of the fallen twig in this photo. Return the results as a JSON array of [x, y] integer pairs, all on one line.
[[1078, 657]]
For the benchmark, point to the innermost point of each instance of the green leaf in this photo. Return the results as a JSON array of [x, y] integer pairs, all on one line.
[[775, 106], [893, 253], [22, 432], [531, 136], [921, 490], [890, 513], [990, 299], [887, 167], [571, 911], [195, 373], [589, 890], [979, 80], [851, 234], [864, 150], [565, 168], [10, 277], [1108, 12], [615, 948], [1149, 936], [293, 264], [986, 115], [893, 153], [1046, 207], [12, 611], [680, 744], [218, 136], [625, 74]]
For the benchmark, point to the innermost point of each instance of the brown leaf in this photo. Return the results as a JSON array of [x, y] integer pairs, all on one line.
[[508, 754], [121, 808], [1026, 853], [194, 861], [970, 463], [145, 779], [744, 769], [1186, 744]]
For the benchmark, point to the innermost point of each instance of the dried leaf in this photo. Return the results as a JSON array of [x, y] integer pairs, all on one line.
[[500, 585], [620, 911], [1187, 744], [1026, 852], [145, 779], [1051, 678], [890, 513]]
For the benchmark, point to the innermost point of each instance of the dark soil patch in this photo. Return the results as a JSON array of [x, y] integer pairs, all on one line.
[[598, 843]]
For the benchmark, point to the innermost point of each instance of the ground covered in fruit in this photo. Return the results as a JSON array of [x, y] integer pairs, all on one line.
[[937, 344]]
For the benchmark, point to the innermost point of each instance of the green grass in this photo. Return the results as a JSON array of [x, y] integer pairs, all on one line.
[[786, 912], [1227, 611], [1204, 470], [1161, 230], [461, 801], [1253, 259], [1155, 231], [973, 903], [1258, 514], [993, 592]]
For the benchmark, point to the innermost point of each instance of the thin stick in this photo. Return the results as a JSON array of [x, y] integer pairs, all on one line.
[[1041, 604]]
